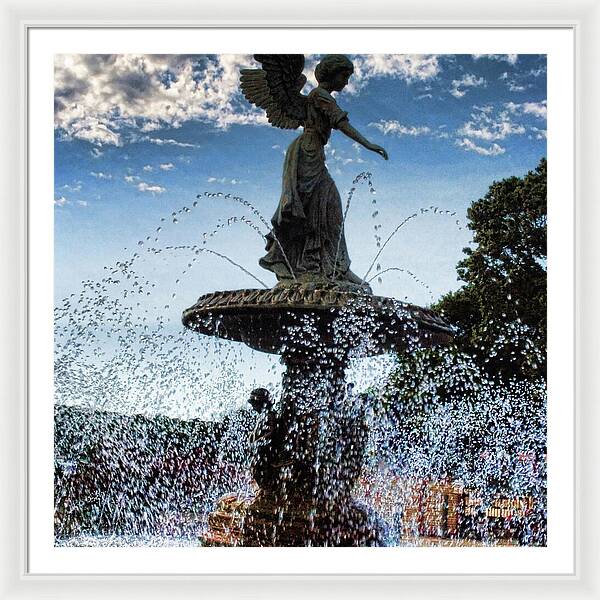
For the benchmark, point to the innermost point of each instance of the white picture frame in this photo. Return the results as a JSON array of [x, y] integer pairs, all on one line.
[[17, 19]]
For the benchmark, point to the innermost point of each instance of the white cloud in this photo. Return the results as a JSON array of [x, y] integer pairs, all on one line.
[[513, 86], [82, 202], [485, 125], [537, 72], [153, 189], [72, 188], [407, 67], [223, 180], [165, 142], [339, 158], [148, 168], [100, 175], [393, 127], [537, 109], [96, 152], [167, 166], [540, 134], [333, 156], [99, 96], [511, 59], [131, 178], [468, 145], [358, 149], [150, 126], [458, 87], [456, 91], [90, 129], [60, 201]]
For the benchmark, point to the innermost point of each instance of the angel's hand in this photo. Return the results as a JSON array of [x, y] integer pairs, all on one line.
[[381, 151]]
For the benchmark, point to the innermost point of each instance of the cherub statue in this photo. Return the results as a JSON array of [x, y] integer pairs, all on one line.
[[307, 242]]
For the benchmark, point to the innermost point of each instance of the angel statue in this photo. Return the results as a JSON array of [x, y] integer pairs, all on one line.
[[307, 242]]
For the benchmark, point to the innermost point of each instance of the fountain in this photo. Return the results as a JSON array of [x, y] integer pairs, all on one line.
[[317, 318], [315, 447]]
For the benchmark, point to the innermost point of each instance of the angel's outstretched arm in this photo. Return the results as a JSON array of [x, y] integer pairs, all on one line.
[[347, 129]]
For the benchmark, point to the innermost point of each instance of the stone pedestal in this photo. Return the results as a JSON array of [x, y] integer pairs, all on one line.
[[302, 522], [310, 465]]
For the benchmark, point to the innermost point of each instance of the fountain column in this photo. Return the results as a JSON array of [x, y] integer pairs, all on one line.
[[316, 458]]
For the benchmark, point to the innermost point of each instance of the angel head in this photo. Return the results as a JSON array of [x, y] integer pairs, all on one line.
[[334, 70], [277, 86]]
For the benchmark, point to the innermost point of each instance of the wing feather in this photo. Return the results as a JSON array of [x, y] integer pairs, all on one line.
[[276, 88]]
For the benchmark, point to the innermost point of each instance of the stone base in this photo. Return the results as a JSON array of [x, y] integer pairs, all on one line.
[[263, 523], [226, 521], [304, 525]]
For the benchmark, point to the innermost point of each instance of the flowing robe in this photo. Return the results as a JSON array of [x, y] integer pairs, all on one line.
[[308, 223]]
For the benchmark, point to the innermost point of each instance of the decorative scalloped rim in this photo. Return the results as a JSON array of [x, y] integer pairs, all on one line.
[[303, 298]]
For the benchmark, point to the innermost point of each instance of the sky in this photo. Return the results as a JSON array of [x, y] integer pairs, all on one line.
[[139, 137]]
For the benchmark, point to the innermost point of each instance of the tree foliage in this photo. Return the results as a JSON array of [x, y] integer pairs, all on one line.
[[475, 411], [500, 312]]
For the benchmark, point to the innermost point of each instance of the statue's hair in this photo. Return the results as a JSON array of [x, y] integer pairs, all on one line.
[[330, 64]]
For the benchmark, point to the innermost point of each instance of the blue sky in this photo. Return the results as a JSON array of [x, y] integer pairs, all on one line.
[[137, 138]]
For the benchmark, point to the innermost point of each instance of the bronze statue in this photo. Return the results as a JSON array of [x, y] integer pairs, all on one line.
[[307, 242], [268, 440]]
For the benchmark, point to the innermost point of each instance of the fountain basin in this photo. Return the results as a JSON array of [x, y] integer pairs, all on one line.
[[269, 320]]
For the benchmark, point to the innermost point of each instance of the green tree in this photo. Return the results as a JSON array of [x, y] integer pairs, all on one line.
[[500, 312], [471, 410]]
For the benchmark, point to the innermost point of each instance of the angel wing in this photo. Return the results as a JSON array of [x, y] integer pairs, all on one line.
[[276, 88]]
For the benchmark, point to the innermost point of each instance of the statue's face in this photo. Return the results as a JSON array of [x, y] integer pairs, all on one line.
[[340, 80]]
